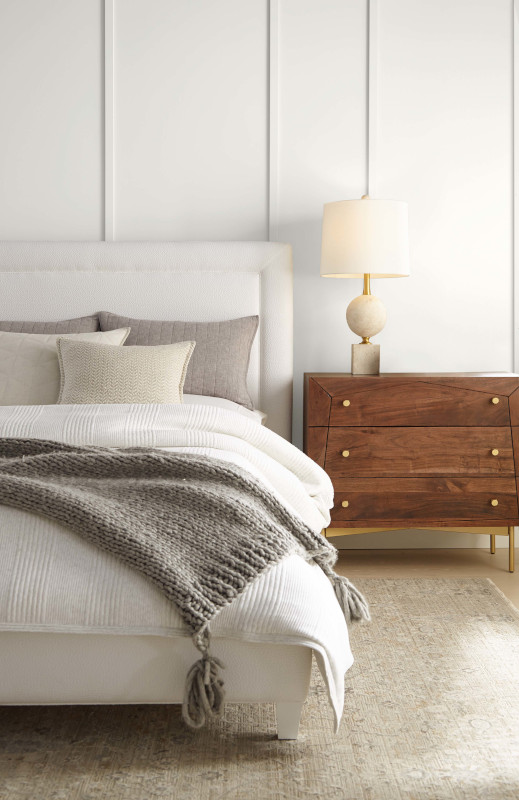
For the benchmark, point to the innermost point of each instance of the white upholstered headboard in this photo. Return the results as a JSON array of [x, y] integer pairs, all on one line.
[[200, 281]]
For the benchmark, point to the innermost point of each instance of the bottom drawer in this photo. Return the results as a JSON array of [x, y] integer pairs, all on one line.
[[423, 500]]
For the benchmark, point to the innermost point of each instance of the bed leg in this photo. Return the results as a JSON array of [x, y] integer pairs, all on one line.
[[288, 716], [511, 531]]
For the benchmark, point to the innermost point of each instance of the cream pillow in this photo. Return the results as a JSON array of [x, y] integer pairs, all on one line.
[[29, 367], [93, 374]]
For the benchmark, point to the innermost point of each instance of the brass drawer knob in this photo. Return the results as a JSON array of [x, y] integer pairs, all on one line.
[[495, 451], [345, 504], [346, 403], [495, 400], [345, 453], [494, 503]]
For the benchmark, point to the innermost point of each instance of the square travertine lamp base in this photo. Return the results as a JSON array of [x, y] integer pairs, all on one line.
[[365, 359]]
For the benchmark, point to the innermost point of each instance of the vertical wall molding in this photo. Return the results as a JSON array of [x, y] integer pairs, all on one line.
[[372, 99], [273, 133], [515, 157], [109, 232]]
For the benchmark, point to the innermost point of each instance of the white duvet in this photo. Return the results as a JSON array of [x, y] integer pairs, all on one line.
[[52, 580]]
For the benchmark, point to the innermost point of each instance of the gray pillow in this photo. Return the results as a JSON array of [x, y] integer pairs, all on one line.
[[220, 361], [78, 325]]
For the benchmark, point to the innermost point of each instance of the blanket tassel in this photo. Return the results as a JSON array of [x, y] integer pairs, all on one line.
[[352, 602], [204, 691]]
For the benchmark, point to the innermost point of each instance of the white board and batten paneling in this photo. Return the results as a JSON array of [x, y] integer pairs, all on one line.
[[238, 119], [190, 140], [51, 119], [445, 132]]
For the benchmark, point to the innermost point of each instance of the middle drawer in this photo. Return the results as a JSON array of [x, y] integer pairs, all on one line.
[[394, 452]]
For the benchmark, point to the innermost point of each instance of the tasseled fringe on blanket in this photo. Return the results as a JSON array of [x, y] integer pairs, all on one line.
[[353, 604], [204, 691]]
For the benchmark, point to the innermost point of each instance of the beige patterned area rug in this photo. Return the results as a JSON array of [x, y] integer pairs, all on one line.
[[432, 713]]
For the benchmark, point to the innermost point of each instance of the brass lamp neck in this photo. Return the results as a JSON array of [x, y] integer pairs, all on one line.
[[367, 287]]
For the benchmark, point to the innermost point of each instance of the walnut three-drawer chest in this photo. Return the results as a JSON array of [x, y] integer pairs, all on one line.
[[426, 451]]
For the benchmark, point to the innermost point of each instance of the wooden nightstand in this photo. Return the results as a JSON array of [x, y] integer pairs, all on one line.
[[416, 450]]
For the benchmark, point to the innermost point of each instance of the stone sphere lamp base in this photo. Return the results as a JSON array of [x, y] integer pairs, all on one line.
[[366, 316]]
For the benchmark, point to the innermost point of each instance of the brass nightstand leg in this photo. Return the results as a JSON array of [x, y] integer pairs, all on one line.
[[510, 548], [492, 543]]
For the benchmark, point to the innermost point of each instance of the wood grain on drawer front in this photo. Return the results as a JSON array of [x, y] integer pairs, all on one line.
[[393, 452], [317, 403], [315, 444], [419, 499], [417, 403]]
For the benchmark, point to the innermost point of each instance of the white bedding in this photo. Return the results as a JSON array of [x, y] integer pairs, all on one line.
[[222, 402], [52, 580]]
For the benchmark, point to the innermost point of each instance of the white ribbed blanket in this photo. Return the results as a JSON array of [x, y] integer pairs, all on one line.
[[51, 580]]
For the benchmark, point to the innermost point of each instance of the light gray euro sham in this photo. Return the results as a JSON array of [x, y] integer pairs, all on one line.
[[64, 326]]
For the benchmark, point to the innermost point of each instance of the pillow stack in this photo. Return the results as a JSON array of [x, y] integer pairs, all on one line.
[[72, 361], [29, 367], [221, 358]]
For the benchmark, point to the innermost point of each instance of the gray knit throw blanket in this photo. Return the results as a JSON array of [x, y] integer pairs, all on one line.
[[200, 528]]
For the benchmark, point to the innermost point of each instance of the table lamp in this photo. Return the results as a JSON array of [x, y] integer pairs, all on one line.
[[365, 239]]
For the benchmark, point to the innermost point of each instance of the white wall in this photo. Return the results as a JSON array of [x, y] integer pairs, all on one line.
[[190, 119], [238, 119], [445, 145], [51, 119]]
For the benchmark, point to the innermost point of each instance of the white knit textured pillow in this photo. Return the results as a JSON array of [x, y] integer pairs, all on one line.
[[29, 368], [91, 373]]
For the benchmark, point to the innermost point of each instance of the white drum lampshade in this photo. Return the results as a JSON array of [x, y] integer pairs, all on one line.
[[365, 239]]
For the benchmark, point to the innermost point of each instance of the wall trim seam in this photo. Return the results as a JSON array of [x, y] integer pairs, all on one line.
[[109, 226], [273, 126]]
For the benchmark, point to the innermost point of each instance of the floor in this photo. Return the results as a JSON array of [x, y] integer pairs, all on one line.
[[449, 563], [431, 710]]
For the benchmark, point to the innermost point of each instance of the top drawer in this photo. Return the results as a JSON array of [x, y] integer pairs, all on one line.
[[409, 403]]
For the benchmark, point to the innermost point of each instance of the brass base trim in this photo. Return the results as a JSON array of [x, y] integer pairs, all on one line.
[[490, 529], [509, 531]]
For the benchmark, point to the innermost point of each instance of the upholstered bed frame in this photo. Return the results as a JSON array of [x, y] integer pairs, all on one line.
[[204, 281], [157, 280]]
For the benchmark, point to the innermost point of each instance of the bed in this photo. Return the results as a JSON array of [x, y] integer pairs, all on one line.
[[78, 626]]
